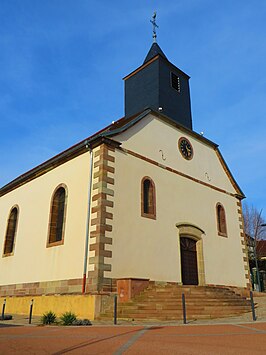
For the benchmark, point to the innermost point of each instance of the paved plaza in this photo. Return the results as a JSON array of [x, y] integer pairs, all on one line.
[[247, 338], [238, 335]]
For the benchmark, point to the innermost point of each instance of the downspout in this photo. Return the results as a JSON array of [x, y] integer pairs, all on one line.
[[87, 222]]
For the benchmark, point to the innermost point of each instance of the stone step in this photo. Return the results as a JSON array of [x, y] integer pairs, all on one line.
[[198, 295], [195, 293], [165, 303], [213, 302], [179, 308], [189, 290], [197, 289], [150, 298], [177, 312], [173, 315], [180, 291]]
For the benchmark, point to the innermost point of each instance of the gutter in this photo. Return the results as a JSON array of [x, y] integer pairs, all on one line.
[[87, 223]]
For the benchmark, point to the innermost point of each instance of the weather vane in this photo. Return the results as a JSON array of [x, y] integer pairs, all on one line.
[[153, 21]]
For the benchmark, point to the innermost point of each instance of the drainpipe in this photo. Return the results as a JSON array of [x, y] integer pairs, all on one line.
[[88, 223]]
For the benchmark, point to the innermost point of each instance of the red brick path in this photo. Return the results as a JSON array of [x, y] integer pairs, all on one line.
[[248, 338]]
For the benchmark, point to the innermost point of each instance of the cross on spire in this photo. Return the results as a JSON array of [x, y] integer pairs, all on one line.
[[153, 21]]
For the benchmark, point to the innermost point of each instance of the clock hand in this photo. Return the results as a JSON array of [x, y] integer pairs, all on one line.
[[188, 149]]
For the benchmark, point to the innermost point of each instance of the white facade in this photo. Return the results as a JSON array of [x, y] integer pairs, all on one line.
[[187, 192], [150, 248]]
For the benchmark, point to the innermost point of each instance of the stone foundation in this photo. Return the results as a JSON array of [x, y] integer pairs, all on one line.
[[42, 288]]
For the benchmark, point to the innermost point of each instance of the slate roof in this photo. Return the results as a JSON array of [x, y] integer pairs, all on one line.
[[153, 52]]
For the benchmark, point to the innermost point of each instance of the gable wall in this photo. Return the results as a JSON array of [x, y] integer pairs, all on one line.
[[150, 137], [147, 248]]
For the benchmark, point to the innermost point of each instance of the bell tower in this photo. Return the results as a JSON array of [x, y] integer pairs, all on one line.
[[160, 85]]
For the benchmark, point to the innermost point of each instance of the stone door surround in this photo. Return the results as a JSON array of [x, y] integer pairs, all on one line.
[[191, 231]]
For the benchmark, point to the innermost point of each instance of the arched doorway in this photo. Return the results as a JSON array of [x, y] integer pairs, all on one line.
[[189, 264], [191, 255]]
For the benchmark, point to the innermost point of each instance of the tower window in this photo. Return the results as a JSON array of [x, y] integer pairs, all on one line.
[[57, 217], [148, 204], [11, 232], [175, 82]]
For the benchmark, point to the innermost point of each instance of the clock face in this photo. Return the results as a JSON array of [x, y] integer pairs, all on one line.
[[185, 148]]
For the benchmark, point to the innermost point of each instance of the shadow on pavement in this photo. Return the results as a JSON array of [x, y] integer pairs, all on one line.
[[4, 325], [84, 344]]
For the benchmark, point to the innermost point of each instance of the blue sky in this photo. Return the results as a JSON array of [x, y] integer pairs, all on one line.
[[62, 64]]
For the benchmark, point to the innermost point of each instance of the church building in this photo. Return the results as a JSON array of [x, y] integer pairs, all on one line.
[[145, 200]]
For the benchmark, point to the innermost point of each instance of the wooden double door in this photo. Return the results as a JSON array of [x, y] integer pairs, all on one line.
[[189, 263]]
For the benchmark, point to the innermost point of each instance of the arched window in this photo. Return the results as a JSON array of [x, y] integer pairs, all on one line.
[[57, 217], [221, 220], [148, 199], [11, 231]]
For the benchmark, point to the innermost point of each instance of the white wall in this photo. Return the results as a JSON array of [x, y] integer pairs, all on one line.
[[148, 248], [151, 135], [32, 260]]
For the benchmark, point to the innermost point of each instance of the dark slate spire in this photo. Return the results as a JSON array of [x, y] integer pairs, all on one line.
[[158, 85], [153, 52]]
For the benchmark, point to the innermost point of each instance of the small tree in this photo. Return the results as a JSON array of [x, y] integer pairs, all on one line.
[[253, 220], [255, 231]]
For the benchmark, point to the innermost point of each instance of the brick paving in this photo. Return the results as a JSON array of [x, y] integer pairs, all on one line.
[[237, 335], [218, 339]]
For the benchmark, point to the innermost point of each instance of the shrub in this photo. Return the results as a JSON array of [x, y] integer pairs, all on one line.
[[82, 322], [68, 318], [6, 317], [48, 318]]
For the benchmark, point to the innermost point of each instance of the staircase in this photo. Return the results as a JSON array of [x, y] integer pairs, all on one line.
[[164, 302]]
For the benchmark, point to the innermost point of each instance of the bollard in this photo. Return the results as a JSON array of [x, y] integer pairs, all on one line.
[[184, 309], [115, 309], [31, 306], [3, 309], [252, 306]]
